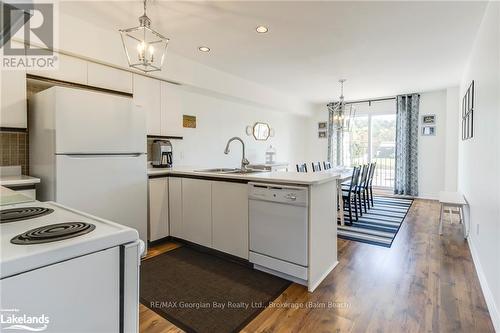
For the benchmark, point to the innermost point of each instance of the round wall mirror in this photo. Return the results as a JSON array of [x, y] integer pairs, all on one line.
[[261, 131]]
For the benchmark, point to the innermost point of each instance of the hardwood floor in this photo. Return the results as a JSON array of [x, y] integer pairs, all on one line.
[[423, 283]]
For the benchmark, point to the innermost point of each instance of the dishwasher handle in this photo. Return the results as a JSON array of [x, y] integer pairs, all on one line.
[[292, 195]]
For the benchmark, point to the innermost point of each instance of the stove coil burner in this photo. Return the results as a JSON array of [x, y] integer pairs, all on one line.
[[23, 213], [53, 233]]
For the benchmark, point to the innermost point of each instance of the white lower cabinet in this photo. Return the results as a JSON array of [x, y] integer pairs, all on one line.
[[175, 206], [197, 211], [158, 208], [230, 218], [210, 213]]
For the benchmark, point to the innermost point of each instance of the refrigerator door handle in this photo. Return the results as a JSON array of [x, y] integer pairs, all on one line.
[[80, 155]]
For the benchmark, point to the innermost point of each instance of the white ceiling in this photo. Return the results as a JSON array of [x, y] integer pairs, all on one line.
[[382, 48]]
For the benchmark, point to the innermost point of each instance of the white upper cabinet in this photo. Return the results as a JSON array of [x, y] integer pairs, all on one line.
[[109, 78], [147, 94], [197, 211], [171, 109], [13, 99], [69, 69], [230, 218]]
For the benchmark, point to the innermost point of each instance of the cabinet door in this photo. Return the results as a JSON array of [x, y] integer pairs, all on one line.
[[13, 99], [197, 211], [158, 208], [230, 218], [109, 78], [175, 206], [147, 95], [69, 69], [171, 109]]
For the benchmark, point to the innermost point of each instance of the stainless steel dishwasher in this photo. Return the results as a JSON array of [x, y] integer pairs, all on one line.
[[278, 223]]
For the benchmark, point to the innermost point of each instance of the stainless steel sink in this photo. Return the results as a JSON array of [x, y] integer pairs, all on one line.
[[218, 170], [244, 172], [230, 170]]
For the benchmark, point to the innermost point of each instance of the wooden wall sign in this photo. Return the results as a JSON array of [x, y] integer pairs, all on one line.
[[188, 121]]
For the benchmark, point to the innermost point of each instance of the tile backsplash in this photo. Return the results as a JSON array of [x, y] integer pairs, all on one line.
[[15, 150]]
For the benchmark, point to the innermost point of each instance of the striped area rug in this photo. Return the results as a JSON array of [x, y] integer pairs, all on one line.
[[380, 225]]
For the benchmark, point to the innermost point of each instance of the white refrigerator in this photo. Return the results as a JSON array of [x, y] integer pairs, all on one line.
[[89, 149]]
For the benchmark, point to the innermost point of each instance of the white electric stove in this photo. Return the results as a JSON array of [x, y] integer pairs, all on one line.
[[62, 270]]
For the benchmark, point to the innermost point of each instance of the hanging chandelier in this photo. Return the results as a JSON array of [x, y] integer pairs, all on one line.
[[144, 47], [341, 113]]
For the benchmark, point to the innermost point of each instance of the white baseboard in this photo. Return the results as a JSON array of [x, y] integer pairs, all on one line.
[[428, 197], [488, 295]]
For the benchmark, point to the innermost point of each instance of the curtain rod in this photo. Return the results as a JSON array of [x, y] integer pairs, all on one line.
[[374, 100]]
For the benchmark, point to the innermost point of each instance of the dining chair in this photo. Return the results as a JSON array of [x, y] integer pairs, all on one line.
[[301, 167], [316, 166], [327, 165], [370, 184], [349, 194], [361, 188]]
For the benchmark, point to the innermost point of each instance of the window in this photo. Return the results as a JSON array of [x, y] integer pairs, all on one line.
[[372, 139]]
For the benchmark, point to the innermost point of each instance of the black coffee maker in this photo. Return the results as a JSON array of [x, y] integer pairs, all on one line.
[[162, 154]]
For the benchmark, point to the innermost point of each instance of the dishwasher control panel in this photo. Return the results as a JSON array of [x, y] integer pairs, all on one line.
[[293, 195]]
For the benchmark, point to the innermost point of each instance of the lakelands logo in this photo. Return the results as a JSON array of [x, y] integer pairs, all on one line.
[[27, 38], [12, 319]]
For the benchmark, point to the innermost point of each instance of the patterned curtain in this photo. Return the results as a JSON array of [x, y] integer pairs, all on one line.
[[406, 178], [330, 136]]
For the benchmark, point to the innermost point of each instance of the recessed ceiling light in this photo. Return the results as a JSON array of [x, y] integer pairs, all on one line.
[[261, 29], [204, 49]]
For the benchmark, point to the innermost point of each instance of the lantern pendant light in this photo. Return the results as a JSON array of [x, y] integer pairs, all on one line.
[[342, 113], [145, 48]]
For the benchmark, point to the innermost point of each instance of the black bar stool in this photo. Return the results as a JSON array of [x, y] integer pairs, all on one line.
[[349, 194], [316, 166], [301, 167]]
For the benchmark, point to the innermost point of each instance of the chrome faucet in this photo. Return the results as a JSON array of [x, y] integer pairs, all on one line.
[[244, 161]]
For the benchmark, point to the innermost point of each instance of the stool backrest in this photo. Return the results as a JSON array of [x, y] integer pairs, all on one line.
[[372, 173], [364, 176], [302, 167], [354, 178], [316, 166], [327, 165]]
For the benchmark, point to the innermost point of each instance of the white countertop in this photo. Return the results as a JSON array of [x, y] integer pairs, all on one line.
[[10, 197], [18, 180], [11, 176], [282, 177]]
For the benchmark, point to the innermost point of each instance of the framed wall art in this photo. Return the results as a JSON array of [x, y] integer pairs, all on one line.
[[468, 113], [429, 119]]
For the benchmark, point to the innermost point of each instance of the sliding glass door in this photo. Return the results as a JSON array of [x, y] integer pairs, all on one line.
[[372, 139]]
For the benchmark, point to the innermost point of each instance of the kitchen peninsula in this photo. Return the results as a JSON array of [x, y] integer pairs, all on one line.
[[282, 222]]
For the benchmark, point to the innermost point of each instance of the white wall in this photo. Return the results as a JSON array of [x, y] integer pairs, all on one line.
[[479, 158], [219, 119], [431, 149], [317, 149], [452, 129]]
